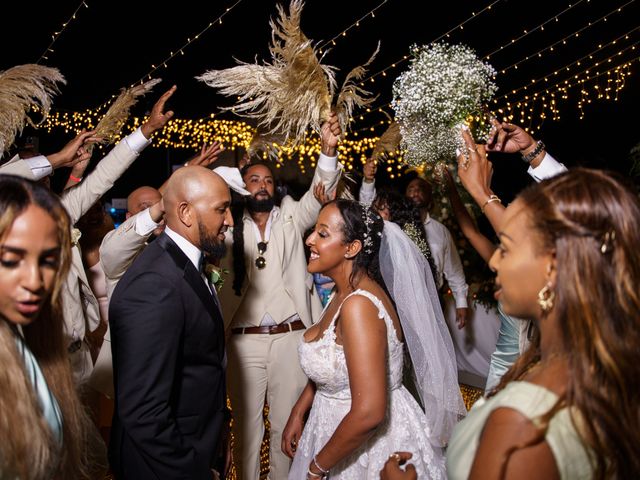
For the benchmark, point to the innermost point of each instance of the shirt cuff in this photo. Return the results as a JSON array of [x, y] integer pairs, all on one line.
[[137, 141], [40, 166], [145, 224], [461, 299], [328, 164], [549, 167]]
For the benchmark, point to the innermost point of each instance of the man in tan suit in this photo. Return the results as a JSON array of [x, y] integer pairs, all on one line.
[[81, 310], [267, 304]]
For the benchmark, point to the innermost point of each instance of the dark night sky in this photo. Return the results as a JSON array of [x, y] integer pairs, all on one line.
[[113, 43]]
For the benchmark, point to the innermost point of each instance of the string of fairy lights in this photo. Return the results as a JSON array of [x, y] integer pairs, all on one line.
[[371, 78], [56, 35], [526, 33], [355, 147], [388, 116], [355, 24], [563, 41]]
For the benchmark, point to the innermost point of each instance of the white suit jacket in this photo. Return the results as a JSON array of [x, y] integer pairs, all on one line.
[[287, 231], [80, 306]]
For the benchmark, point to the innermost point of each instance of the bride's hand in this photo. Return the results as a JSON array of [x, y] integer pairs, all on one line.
[[291, 434], [392, 470]]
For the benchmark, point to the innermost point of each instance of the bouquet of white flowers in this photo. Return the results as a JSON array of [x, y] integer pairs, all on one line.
[[444, 87]]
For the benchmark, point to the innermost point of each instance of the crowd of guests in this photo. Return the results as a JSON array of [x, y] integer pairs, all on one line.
[[139, 331]]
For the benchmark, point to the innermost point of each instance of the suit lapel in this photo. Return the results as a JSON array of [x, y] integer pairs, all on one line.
[[190, 273]]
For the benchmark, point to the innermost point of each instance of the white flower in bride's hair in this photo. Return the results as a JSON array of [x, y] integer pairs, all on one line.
[[444, 86], [75, 236]]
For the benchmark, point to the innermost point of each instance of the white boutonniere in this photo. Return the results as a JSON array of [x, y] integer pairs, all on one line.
[[75, 236], [216, 275]]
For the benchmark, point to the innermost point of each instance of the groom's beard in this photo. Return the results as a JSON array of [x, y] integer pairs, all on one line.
[[210, 244], [263, 205]]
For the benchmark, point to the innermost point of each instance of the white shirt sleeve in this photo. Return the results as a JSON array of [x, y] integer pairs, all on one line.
[[145, 224], [39, 165], [328, 164], [549, 167], [367, 192], [137, 141], [453, 271]]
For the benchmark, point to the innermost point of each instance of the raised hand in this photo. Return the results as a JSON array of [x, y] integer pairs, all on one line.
[[158, 118], [330, 135], [509, 138], [474, 169], [208, 155], [369, 170], [321, 195], [73, 152]]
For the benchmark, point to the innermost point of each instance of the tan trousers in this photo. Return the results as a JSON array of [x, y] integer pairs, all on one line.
[[259, 365]]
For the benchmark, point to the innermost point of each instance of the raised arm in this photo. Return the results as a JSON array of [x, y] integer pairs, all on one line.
[[482, 244], [364, 339], [208, 155], [475, 171], [327, 172], [79, 199], [367, 192]]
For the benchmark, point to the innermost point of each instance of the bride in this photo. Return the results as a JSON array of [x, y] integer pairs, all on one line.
[[360, 412]]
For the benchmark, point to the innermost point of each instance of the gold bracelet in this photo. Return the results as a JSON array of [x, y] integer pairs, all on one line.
[[492, 198]]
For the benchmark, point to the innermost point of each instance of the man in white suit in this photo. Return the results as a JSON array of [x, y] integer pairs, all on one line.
[[81, 310], [267, 304]]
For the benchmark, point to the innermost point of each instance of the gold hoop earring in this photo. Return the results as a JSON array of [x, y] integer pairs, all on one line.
[[546, 297]]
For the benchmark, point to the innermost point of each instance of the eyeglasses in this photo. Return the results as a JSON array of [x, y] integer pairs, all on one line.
[[260, 261]]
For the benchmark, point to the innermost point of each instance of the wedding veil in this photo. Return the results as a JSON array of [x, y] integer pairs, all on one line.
[[409, 280]]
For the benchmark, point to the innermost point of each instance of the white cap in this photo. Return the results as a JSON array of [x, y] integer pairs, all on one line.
[[233, 178]]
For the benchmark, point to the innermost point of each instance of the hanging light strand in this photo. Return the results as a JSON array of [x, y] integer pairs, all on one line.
[[56, 35], [190, 40], [400, 61], [563, 41], [578, 62], [526, 33], [355, 24]]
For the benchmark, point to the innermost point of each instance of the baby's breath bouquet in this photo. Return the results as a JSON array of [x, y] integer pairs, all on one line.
[[445, 86]]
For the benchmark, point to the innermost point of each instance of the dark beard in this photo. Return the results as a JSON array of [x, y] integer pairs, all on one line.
[[258, 206], [210, 244]]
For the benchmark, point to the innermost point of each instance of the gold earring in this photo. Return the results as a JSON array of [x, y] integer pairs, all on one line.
[[546, 296]]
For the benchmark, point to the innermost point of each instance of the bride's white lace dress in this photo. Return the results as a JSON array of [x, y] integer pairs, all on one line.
[[404, 428]]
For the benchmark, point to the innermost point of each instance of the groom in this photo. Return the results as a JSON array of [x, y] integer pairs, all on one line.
[[168, 340]]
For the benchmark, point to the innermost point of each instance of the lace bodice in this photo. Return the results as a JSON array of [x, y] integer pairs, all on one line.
[[323, 360]]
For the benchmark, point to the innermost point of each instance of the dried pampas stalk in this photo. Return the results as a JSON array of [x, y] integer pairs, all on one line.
[[288, 95], [268, 143], [22, 88], [114, 119], [352, 95], [388, 143]]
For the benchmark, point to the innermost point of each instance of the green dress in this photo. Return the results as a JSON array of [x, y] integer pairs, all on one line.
[[532, 401]]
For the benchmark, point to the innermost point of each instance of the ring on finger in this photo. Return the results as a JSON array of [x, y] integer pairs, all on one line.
[[395, 456]]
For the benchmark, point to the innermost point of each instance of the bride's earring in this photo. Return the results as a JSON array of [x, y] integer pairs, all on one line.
[[546, 297]]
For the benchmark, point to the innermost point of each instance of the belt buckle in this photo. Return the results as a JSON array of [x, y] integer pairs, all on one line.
[[273, 329]]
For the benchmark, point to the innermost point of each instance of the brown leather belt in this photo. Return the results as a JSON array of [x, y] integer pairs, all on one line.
[[272, 329]]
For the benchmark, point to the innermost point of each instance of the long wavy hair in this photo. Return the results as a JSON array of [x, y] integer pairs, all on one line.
[[27, 449], [592, 222]]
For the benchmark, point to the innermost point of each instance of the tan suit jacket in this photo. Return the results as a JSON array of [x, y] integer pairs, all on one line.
[[17, 166], [287, 231], [80, 306], [119, 249]]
